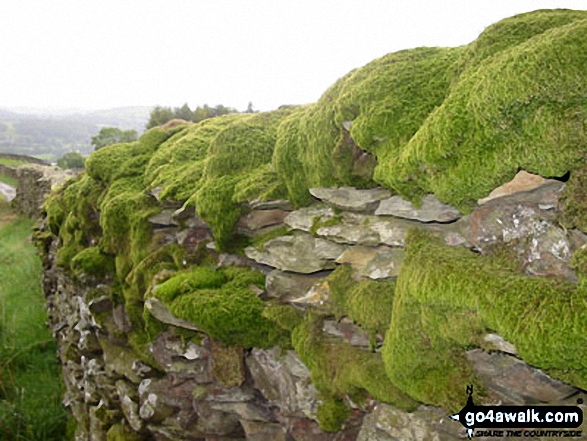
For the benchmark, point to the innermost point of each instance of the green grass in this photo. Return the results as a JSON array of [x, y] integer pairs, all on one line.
[[11, 162], [30, 385], [9, 180]]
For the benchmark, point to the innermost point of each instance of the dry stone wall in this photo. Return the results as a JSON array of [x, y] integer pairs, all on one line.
[[199, 389]]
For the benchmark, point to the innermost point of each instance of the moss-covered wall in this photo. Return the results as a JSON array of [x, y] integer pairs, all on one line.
[[161, 224]]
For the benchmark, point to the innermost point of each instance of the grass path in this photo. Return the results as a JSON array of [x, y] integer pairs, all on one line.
[[30, 384]]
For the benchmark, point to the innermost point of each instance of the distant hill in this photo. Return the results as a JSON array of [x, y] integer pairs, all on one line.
[[49, 134]]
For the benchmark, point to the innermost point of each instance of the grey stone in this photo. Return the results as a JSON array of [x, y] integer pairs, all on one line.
[[370, 230], [258, 431], [284, 380], [258, 219], [165, 218], [270, 205], [300, 253], [160, 311], [317, 296], [498, 343], [386, 423], [350, 198], [540, 245], [287, 286], [432, 210], [373, 263], [511, 381], [348, 331], [129, 404], [304, 218]]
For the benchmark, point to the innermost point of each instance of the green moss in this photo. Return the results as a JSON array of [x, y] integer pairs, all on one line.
[[285, 316], [339, 369], [523, 108], [186, 282], [233, 316], [446, 297], [221, 303], [93, 262], [332, 414], [368, 303]]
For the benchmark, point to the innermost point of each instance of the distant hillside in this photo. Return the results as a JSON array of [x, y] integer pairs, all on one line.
[[49, 134]]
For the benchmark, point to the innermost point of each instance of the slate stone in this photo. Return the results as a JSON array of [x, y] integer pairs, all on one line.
[[304, 218], [427, 423], [350, 198], [284, 380], [287, 286], [511, 381], [299, 253], [431, 210], [160, 311], [373, 263]]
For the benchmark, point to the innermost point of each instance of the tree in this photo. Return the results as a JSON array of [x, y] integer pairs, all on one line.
[[159, 116], [250, 108], [184, 112], [113, 135], [71, 160]]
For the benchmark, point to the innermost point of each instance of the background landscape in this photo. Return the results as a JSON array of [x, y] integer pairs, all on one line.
[[49, 134]]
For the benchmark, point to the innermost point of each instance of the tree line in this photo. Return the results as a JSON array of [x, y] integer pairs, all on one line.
[[161, 115]]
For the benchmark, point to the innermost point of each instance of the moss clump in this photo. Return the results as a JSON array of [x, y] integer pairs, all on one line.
[[387, 100], [186, 282], [368, 302], [332, 414], [339, 369], [221, 303], [228, 365], [524, 107], [285, 316], [446, 297], [93, 262]]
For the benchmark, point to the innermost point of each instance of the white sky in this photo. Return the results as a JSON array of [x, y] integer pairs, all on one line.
[[110, 53]]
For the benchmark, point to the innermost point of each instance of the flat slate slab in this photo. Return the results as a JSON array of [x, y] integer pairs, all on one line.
[[300, 253], [432, 210], [350, 198]]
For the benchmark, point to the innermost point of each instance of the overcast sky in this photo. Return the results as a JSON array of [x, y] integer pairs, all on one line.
[[111, 53]]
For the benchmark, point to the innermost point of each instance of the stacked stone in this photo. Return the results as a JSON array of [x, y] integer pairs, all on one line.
[[208, 392]]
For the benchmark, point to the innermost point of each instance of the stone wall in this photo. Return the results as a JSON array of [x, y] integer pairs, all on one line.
[[188, 388], [35, 182]]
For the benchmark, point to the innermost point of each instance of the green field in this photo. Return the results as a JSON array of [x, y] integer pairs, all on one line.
[[30, 385], [11, 162]]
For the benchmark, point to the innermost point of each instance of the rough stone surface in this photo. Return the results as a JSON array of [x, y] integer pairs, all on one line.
[[543, 248], [258, 219], [369, 230], [317, 296], [350, 198], [284, 380], [300, 253], [287, 286], [387, 423], [498, 343], [431, 210], [161, 313], [304, 218], [373, 263], [348, 331], [511, 381]]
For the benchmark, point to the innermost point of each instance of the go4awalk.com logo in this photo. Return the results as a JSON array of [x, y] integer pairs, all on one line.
[[519, 421]]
